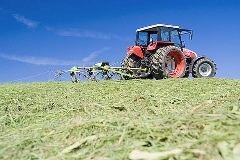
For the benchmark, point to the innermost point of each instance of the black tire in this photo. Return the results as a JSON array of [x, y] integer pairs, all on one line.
[[187, 70], [204, 67], [186, 75], [74, 77], [130, 61], [159, 63]]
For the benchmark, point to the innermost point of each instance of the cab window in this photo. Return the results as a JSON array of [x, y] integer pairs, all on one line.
[[142, 38], [153, 36], [171, 35], [165, 34], [175, 38]]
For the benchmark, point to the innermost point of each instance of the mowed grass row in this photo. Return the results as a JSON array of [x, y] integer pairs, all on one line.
[[170, 118]]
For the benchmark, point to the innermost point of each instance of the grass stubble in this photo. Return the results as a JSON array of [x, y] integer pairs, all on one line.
[[135, 119]]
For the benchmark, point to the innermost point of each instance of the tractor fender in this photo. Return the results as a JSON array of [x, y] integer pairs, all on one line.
[[193, 62], [188, 53], [137, 50]]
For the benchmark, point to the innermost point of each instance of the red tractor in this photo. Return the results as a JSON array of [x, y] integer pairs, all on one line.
[[160, 50]]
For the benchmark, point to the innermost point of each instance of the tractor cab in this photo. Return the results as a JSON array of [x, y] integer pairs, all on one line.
[[161, 35]]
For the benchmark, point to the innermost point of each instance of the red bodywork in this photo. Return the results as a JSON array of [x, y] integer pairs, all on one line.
[[188, 53], [138, 51]]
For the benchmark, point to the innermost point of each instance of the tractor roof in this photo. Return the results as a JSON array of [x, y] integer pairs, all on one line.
[[154, 27]]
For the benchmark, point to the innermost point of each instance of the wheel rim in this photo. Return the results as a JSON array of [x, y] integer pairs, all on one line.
[[175, 64], [205, 69]]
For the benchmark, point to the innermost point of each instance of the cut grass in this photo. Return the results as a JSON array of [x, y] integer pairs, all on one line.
[[113, 119]]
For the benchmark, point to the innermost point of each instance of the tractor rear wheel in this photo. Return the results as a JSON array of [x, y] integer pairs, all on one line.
[[130, 61], [204, 67], [168, 61]]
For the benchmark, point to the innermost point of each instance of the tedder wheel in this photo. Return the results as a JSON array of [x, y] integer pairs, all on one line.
[[168, 61], [204, 67], [130, 61]]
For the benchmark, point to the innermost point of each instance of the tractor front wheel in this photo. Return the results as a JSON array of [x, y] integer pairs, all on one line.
[[204, 67], [168, 61]]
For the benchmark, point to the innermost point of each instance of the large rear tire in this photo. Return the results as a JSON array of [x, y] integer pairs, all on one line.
[[168, 61], [204, 67]]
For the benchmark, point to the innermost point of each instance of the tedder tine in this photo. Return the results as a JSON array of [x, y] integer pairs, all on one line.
[[100, 71]]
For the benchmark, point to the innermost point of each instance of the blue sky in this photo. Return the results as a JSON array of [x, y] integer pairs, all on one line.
[[41, 36]]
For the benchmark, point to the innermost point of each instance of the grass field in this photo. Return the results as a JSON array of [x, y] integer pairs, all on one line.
[[135, 119]]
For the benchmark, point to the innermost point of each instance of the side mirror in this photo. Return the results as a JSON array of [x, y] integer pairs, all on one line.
[[190, 36], [184, 31]]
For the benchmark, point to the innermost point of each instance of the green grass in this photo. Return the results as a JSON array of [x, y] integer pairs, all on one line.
[[106, 120]]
